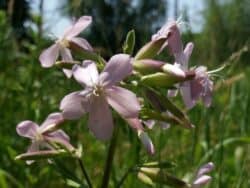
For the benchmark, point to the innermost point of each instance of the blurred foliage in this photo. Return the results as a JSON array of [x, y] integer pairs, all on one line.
[[18, 12], [114, 18], [30, 92], [226, 30]]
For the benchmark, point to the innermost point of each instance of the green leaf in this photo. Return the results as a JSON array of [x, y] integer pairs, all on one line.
[[229, 141], [150, 50], [148, 114], [163, 104], [128, 46], [72, 183], [6, 176], [156, 164]]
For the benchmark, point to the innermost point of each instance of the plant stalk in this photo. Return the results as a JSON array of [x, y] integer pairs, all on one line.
[[109, 159], [85, 174]]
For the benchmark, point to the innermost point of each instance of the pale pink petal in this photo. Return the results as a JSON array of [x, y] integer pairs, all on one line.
[[135, 123], [60, 137], [60, 134], [118, 67], [48, 57], [207, 95], [83, 43], [171, 32], [147, 142], [27, 129], [66, 54], [164, 31], [149, 123], [34, 147], [182, 58], [205, 169], [186, 95], [201, 181], [172, 92], [188, 50], [68, 72], [73, 106], [174, 40], [86, 75], [100, 119], [207, 99], [123, 101], [81, 24], [196, 89], [51, 122]]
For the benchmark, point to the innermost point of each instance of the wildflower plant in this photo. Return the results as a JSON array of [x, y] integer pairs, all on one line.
[[108, 93]]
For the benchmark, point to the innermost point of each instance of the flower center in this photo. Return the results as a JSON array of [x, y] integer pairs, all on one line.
[[39, 137], [97, 90], [63, 42]]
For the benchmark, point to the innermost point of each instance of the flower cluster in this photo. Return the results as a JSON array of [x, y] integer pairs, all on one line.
[[109, 88]]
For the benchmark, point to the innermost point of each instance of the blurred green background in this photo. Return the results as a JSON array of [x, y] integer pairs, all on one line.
[[27, 91]]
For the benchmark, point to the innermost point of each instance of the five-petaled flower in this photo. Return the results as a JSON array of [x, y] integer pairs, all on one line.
[[199, 87], [101, 90], [61, 46], [46, 136]]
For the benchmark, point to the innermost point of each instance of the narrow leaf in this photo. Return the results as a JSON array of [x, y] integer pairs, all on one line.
[[128, 46]]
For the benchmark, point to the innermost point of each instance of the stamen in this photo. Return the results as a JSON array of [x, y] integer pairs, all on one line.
[[98, 90], [63, 42]]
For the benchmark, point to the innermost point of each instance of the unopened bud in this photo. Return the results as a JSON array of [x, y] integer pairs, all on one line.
[[150, 50], [173, 70], [161, 79], [148, 66], [203, 180], [146, 141]]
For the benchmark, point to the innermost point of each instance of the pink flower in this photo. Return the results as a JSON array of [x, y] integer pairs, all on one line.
[[170, 31], [100, 92], [199, 87], [50, 55], [43, 136], [201, 177]]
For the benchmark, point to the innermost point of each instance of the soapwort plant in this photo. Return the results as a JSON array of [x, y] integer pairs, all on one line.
[[108, 94]]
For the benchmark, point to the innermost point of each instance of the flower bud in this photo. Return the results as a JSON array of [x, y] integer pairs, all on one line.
[[161, 79], [173, 70], [150, 50], [145, 179], [148, 66], [146, 141]]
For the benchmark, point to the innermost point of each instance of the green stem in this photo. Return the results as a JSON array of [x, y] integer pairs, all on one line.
[[124, 177], [109, 160], [85, 174]]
